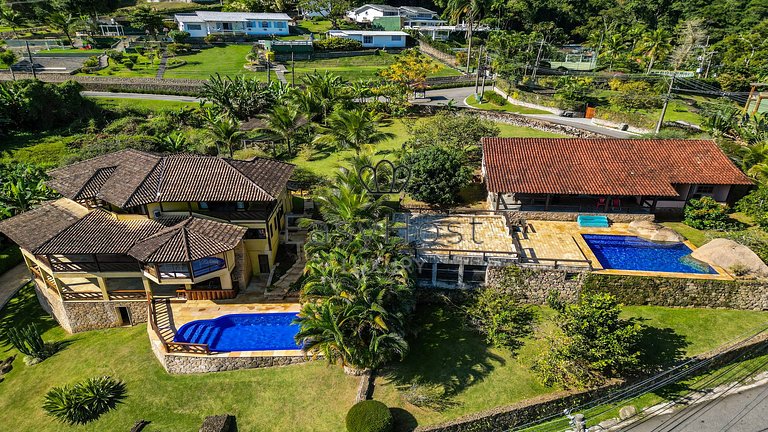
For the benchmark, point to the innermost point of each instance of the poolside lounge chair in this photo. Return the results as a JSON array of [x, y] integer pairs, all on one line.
[[616, 204], [602, 202]]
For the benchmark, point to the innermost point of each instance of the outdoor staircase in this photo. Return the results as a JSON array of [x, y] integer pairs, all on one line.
[[164, 317]]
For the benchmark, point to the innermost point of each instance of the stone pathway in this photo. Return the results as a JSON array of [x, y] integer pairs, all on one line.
[[280, 288], [12, 281], [280, 71], [161, 67]]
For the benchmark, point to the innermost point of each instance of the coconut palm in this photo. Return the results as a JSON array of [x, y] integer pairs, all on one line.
[[12, 19], [613, 47], [470, 11], [63, 23], [656, 45], [225, 132], [175, 142], [326, 88], [352, 129], [284, 122]]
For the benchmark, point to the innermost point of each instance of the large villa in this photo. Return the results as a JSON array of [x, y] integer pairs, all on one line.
[[186, 241], [136, 226]]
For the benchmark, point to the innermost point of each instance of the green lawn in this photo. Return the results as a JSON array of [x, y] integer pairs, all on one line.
[[309, 26], [326, 164], [479, 378], [70, 50], [507, 107], [227, 60], [271, 399], [356, 68], [40, 148], [145, 104]]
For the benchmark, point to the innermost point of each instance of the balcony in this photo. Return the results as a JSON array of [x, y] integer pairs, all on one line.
[[91, 263], [190, 270]]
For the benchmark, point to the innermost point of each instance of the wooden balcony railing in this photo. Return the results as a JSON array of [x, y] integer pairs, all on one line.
[[82, 296], [219, 294], [127, 295], [170, 346], [94, 267]]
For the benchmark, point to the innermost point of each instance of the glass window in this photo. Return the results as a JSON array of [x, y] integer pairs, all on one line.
[[255, 233], [240, 205], [203, 205], [194, 27], [705, 189], [397, 38], [367, 39], [252, 24], [280, 24], [265, 24]]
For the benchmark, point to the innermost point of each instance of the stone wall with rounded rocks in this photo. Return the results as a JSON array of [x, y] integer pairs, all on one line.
[[187, 364]]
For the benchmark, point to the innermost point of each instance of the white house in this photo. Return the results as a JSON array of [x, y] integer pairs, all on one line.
[[373, 39], [367, 13], [203, 23]]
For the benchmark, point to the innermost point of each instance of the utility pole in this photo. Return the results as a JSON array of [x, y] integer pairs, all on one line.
[[485, 73], [269, 78], [666, 102], [293, 70], [31, 62], [477, 74], [538, 59]]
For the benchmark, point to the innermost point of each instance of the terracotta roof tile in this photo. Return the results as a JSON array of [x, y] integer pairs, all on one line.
[[189, 240], [604, 166]]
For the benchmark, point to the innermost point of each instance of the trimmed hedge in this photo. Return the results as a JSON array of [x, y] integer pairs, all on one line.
[[369, 416], [337, 44]]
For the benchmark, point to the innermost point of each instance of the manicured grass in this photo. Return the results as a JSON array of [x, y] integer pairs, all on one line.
[[309, 26], [507, 107], [147, 104], [46, 149], [356, 68], [271, 399], [326, 164], [227, 60], [72, 51], [477, 377], [697, 237]]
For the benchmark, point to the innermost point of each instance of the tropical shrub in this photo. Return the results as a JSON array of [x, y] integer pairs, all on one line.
[[35, 105], [92, 61], [430, 396], [178, 36], [461, 132], [634, 95], [369, 416], [499, 317], [337, 44], [437, 175], [707, 214], [239, 97], [84, 401], [115, 55], [30, 343], [494, 98], [591, 343], [755, 205]]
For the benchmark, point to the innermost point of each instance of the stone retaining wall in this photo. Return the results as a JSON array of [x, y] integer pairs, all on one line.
[[99, 83], [439, 55], [187, 364], [74, 316], [533, 285], [520, 120]]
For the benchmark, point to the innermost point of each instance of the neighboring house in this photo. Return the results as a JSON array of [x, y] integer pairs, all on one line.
[[202, 23], [606, 175], [134, 225], [367, 13], [373, 39]]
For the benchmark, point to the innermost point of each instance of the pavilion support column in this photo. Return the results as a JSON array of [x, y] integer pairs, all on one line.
[[188, 287], [147, 287], [226, 281], [549, 199], [461, 274], [103, 287], [434, 273]]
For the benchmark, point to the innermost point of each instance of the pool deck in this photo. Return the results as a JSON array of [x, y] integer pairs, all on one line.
[[563, 240]]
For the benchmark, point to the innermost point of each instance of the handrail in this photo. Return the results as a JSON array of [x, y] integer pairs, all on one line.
[[82, 295], [127, 295], [217, 294], [175, 347]]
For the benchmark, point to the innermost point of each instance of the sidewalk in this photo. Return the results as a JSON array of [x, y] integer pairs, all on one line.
[[12, 281]]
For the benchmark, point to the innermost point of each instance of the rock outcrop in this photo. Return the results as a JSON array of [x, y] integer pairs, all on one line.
[[654, 232], [734, 257]]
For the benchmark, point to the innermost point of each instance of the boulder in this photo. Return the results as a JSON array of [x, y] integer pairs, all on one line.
[[654, 232], [627, 412], [730, 255]]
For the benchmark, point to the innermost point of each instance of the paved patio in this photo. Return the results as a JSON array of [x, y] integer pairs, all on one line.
[[457, 233]]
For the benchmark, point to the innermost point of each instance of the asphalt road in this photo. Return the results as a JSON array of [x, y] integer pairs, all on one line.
[[435, 97], [740, 412]]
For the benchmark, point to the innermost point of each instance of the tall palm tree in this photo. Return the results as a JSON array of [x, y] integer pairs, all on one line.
[[284, 121], [12, 19], [226, 132], [613, 47], [470, 11], [656, 45], [351, 129], [327, 88], [63, 23]]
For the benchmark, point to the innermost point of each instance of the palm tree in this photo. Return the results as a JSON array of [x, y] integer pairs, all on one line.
[[176, 142], [327, 88], [613, 47], [656, 45], [284, 121], [469, 10], [351, 129], [63, 23], [12, 19], [225, 131]]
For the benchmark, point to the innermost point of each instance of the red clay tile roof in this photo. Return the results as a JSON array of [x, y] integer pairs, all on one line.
[[604, 166], [33, 228], [130, 177], [189, 240]]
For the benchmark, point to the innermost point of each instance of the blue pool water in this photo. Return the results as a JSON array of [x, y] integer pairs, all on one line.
[[634, 253], [242, 332]]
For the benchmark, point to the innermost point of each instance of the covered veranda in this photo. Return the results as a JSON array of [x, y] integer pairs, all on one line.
[[575, 203]]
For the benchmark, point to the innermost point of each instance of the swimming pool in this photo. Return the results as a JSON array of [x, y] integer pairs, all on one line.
[[242, 332], [635, 253]]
